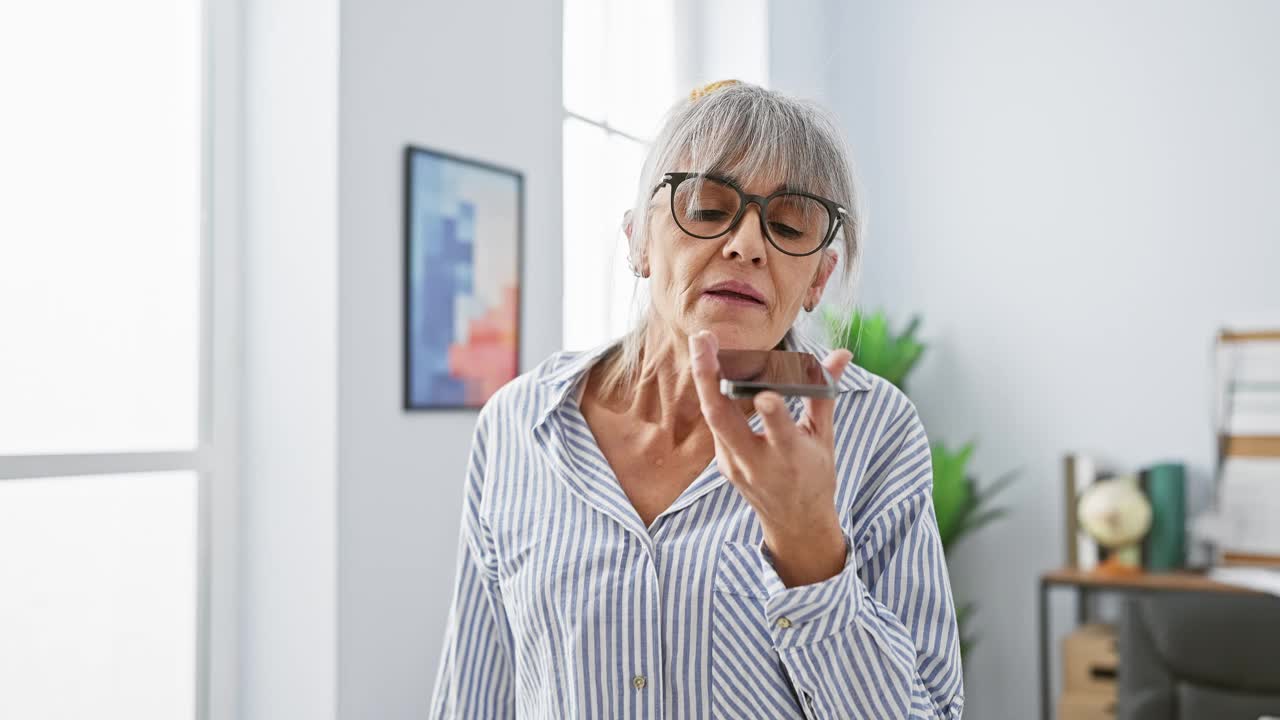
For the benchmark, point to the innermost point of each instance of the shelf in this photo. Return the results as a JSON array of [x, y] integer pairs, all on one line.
[[1182, 581], [1248, 335], [1256, 446]]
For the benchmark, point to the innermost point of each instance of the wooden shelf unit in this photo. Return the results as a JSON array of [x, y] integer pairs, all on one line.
[[1086, 582]]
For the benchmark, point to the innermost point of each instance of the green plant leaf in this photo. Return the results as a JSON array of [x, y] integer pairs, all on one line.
[[951, 490], [963, 614], [875, 346], [905, 356], [872, 342], [975, 521], [961, 505], [912, 326], [996, 486]]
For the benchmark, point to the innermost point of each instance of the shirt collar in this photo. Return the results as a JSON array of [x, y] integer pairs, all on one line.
[[562, 379]]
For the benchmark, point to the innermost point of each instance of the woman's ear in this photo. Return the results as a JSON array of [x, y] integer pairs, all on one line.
[[644, 265], [643, 269], [825, 268]]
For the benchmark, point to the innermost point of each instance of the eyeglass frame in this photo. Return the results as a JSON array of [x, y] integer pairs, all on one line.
[[835, 211]]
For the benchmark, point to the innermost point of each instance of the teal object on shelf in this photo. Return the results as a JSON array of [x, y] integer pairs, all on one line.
[[1165, 547]]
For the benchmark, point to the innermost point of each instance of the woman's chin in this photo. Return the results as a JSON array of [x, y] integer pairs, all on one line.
[[734, 333]]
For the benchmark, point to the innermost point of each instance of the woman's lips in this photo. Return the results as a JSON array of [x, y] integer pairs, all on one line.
[[732, 298]]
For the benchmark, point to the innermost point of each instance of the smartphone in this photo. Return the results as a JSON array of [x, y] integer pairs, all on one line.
[[744, 373]]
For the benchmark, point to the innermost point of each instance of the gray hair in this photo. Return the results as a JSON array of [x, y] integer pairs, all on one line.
[[747, 132]]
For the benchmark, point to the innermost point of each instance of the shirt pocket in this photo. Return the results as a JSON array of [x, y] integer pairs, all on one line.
[[750, 680], [738, 567]]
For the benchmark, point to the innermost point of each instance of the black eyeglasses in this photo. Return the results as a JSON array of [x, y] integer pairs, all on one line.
[[707, 206]]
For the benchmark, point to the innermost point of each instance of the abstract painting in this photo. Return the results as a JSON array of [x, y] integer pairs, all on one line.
[[463, 228]]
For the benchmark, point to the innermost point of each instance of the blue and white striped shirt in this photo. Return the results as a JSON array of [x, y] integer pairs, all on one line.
[[566, 606]]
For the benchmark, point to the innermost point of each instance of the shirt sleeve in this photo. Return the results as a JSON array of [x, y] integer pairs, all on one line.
[[880, 638], [475, 676]]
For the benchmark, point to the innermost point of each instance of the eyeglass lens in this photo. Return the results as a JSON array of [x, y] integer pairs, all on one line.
[[704, 207]]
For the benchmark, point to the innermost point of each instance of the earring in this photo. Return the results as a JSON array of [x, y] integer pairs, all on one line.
[[808, 308]]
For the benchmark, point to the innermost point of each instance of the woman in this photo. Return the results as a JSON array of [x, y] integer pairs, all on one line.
[[635, 544]]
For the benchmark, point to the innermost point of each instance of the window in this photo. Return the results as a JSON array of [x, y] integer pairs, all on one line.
[[107, 432], [625, 64], [619, 77]]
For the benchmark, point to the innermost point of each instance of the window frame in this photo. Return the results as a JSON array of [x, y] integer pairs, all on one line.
[[688, 60], [610, 133], [215, 458]]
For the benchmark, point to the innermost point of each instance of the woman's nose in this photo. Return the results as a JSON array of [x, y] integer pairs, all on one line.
[[747, 239]]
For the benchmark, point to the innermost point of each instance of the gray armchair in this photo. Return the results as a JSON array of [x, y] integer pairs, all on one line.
[[1199, 657]]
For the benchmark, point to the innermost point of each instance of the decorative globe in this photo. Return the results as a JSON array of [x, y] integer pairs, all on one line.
[[1117, 515]]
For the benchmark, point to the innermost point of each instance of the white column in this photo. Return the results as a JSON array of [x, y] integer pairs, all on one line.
[[288, 649]]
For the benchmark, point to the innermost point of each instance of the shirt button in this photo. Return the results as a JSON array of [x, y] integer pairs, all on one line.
[[784, 622], [639, 681]]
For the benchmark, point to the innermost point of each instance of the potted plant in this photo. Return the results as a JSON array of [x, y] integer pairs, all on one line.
[[960, 505]]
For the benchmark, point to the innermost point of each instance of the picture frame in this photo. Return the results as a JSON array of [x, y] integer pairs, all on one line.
[[463, 268]]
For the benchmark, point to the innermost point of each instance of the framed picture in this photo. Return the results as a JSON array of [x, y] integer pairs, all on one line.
[[463, 234]]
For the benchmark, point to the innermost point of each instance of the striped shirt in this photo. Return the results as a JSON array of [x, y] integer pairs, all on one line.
[[565, 605]]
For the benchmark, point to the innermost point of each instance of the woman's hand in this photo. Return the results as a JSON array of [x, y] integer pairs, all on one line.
[[787, 473]]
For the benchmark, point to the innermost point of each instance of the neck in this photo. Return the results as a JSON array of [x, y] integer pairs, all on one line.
[[666, 395]]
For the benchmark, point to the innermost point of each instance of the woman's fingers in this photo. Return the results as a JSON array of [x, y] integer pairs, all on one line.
[[821, 411], [721, 414], [779, 427], [732, 432]]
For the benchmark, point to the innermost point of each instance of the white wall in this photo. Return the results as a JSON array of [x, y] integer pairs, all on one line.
[[350, 506], [479, 79], [799, 47], [1073, 195], [289, 480], [730, 39]]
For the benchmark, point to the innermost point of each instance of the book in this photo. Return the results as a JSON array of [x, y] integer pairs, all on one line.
[[1249, 504], [1165, 546], [1247, 392], [1071, 524], [1080, 472], [1247, 421], [1260, 579]]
